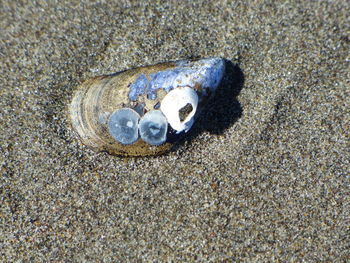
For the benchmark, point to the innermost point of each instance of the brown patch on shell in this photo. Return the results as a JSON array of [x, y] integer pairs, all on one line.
[[198, 87]]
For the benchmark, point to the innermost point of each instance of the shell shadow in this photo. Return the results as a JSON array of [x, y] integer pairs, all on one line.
[[223, 110]]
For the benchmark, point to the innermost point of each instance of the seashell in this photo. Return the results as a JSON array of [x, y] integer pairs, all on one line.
[[143, 111]]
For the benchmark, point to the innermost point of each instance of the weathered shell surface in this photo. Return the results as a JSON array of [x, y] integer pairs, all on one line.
[[143, 90]]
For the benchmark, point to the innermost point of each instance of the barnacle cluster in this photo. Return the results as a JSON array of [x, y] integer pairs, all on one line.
[[132, 113]]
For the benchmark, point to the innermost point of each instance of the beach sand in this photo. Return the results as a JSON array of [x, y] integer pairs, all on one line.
[[262, 177]]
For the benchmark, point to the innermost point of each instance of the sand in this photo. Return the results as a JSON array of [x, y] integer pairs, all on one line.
[[263, 177]]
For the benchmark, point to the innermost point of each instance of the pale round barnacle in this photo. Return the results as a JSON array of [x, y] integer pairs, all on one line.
[[123, 125], [179, 107], [153, 127]]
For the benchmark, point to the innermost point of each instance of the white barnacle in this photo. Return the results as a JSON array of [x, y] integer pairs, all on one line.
[[179, 107], [153, 127], [123, 125]]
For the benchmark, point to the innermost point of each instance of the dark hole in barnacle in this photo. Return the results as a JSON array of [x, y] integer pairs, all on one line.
[[185, 111]]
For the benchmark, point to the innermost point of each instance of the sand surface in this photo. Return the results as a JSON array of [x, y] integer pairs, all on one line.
[[263, 177]]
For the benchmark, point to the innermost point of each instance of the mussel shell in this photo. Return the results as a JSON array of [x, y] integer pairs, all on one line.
[[96, 99]]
